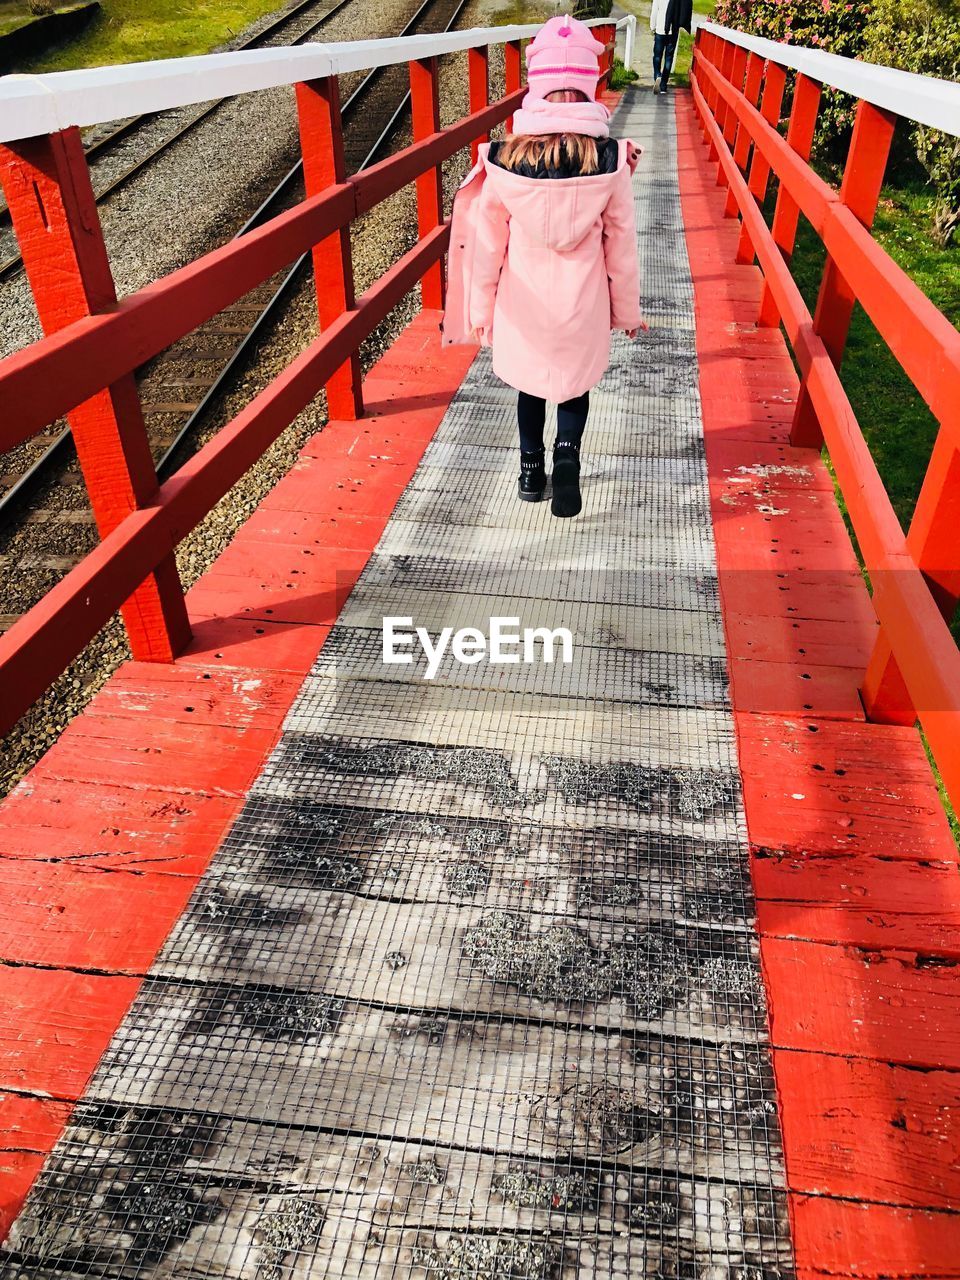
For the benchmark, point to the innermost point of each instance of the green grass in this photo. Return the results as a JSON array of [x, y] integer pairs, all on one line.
[[142, 30], [516, 13], [620, 76], [16, 13], [681, 68], [897, 425]]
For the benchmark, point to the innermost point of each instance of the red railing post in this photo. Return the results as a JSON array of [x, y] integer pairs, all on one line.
[[859, 191], [722, 111], [738, 68], [700, 40], [705, 47], [770, 107], [512, 63], [607, 35], [741, 150], [478, 72], [737, 64], [321, 143], [932, 542], [54, 213], [786, 215], [425, 109], [713, 52]]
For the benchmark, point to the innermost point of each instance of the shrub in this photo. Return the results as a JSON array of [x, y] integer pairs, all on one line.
[[41, 8], [913, 35], [836, 26], [621, 75], [924, 36], [587, 9]]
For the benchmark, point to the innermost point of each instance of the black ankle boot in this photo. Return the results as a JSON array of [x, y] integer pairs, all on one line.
[[533, 477], [566, 479]]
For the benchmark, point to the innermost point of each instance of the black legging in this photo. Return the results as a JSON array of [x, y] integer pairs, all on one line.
[[531, 415]]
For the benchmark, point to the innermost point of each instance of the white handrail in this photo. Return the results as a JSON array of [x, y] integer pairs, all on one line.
[[921, 98], [39, 104]]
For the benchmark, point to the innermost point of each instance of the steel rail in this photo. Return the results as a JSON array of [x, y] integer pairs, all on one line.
[[165, 462]]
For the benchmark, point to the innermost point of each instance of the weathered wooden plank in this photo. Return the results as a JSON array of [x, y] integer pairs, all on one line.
[[392, 1183], [224, 761], [781, 688], [601, 873], [230, 637], [897, 1006], [769, 591], [827, 785], [81, 917], [312, 485], [737, 465], [482, 425], [55, 1024], [870, 1131], [28, 1129], [331, 529], [804, 548], [653, 553], [674, 586], [599, 674], [355, 1249], [366, 1198], [692, 981], [822, 641], [108, 827], [294, 565], [529, 1089], [851, 1238], [221, 595], [479, 779], [595, 624], [484, 498], [869, 902], [657, 736], [186, 695]]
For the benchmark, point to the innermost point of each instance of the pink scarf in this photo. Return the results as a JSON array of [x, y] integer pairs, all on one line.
[[537, 116]]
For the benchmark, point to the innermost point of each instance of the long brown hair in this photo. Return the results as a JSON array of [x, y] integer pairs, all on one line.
[[551, 148]]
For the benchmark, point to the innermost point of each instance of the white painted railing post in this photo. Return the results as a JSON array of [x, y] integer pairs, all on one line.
[[629, 40]]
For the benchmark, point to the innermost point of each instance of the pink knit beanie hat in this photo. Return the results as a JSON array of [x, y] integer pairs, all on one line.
[[563, 55]]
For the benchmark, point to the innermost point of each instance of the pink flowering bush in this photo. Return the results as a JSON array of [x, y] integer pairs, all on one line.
[[924, 36], [836, 26], [914, 35]]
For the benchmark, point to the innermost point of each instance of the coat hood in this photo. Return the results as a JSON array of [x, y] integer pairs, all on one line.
[[557, 213]]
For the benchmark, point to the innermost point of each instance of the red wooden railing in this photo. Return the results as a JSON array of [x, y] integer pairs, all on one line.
[[914, 671], [84, 367]]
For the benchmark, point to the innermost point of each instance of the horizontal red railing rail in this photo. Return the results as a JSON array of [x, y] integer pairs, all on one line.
[[915, 577], [99, 342]]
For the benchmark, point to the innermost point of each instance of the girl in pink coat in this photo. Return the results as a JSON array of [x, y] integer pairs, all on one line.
[[543, 253]]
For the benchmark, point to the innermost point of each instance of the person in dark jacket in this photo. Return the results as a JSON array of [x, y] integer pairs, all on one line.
[[679, 17], [667, 19]]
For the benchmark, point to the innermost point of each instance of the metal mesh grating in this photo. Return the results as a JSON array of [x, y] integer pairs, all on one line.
[[470, 991]]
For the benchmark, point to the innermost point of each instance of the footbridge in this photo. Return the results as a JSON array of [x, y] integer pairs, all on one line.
[[641, 964]]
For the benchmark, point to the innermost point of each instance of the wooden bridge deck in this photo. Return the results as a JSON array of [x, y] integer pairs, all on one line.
[[313, 968]]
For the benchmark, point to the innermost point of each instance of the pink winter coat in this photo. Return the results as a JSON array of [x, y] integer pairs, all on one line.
[[547, 267]]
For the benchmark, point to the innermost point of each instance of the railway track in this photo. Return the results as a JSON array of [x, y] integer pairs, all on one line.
[[182, 385], [98, 145]]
